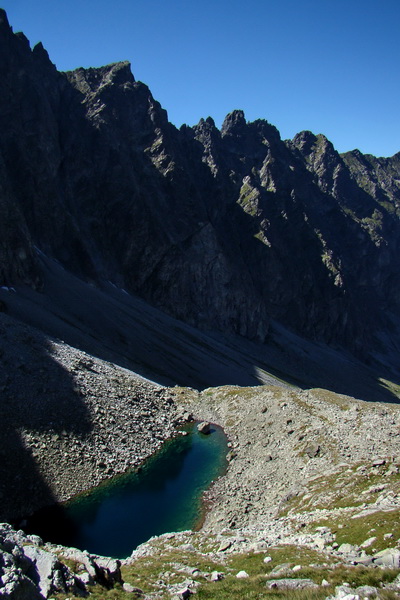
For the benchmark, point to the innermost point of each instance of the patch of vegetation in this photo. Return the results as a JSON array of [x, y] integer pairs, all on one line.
[[356, 576], [248, 199], [357, 530], [260, 235], [296, 555], [253, 588], [348, 487], [172, 565]]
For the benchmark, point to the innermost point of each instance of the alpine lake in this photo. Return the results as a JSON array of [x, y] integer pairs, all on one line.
[[163, 495]]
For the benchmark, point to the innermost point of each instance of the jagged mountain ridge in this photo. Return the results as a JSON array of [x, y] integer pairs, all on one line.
[[224, 229]]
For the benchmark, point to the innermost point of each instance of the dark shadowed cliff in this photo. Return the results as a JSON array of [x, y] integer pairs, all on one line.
[[227, 230]]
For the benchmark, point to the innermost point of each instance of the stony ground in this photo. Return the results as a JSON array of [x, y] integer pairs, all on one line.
[[282, 439], [310, 501], [69, 420]]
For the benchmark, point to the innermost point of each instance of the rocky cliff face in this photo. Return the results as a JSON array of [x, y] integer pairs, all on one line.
[[224, 229]]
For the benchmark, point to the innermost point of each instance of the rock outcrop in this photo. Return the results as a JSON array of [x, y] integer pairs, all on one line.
[[223, 229], [31, 570]]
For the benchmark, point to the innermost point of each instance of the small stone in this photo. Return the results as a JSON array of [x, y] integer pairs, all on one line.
[[204, 427], [267, 559], [127, 587], [242, 575], [184, 593], [296, 568], [187, 547], [347, 549], [231, 455], [282, 569], [313, 450], [390, 557], [216, 576], [367, 591], [85, 578], [368, 542], [258, 547], [224, 546], [293, 584], [378, 462]]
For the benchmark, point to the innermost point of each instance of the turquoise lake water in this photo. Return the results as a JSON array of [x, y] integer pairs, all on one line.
[[164, 496]]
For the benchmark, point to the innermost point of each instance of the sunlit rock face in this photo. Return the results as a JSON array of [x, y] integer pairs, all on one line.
[[224, 229]]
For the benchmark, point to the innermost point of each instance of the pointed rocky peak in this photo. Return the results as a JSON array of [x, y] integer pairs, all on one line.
[[23, 39], [206, 131], [234, 123], [92, 79], [41, 55], [265, 131], [13, 46], [304, 141], [120, 73], [323, 143], [354, 156], [317, 150], [4, 24], [205, 125], [355, 152]]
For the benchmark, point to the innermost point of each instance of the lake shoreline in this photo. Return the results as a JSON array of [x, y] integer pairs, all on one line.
[[164, 494], [91, 421]]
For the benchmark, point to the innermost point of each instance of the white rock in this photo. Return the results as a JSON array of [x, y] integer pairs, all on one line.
[[44, 565], [224, 546], [267, 559], [347, 549], [390, 557], [204, 427], [242, 575], [216, 576], [368, 542]]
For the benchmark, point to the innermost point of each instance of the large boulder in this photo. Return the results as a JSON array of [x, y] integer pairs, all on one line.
[[14, 585], [390, 557], [291, 584], [204, 427]]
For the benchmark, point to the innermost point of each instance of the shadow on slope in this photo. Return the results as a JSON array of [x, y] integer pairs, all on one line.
[[115, 326], [314, 365], [37, 395]]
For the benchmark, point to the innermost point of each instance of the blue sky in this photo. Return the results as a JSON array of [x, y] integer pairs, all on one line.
[[331, 66]]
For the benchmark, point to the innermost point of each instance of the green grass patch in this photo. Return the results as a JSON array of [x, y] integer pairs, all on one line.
[[248, 199], [253, 588], [357, 530], [170, 565], [97, 592], [348, 487]]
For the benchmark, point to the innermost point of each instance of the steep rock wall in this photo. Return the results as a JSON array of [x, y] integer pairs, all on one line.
[[224, 229]]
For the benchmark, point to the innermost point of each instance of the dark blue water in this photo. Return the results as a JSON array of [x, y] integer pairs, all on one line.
[[164, 496]]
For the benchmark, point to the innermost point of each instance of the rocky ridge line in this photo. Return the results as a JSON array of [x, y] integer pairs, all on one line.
[[225, 229]]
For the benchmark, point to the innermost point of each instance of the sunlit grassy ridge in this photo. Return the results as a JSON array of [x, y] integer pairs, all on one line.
[[170, 565]]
